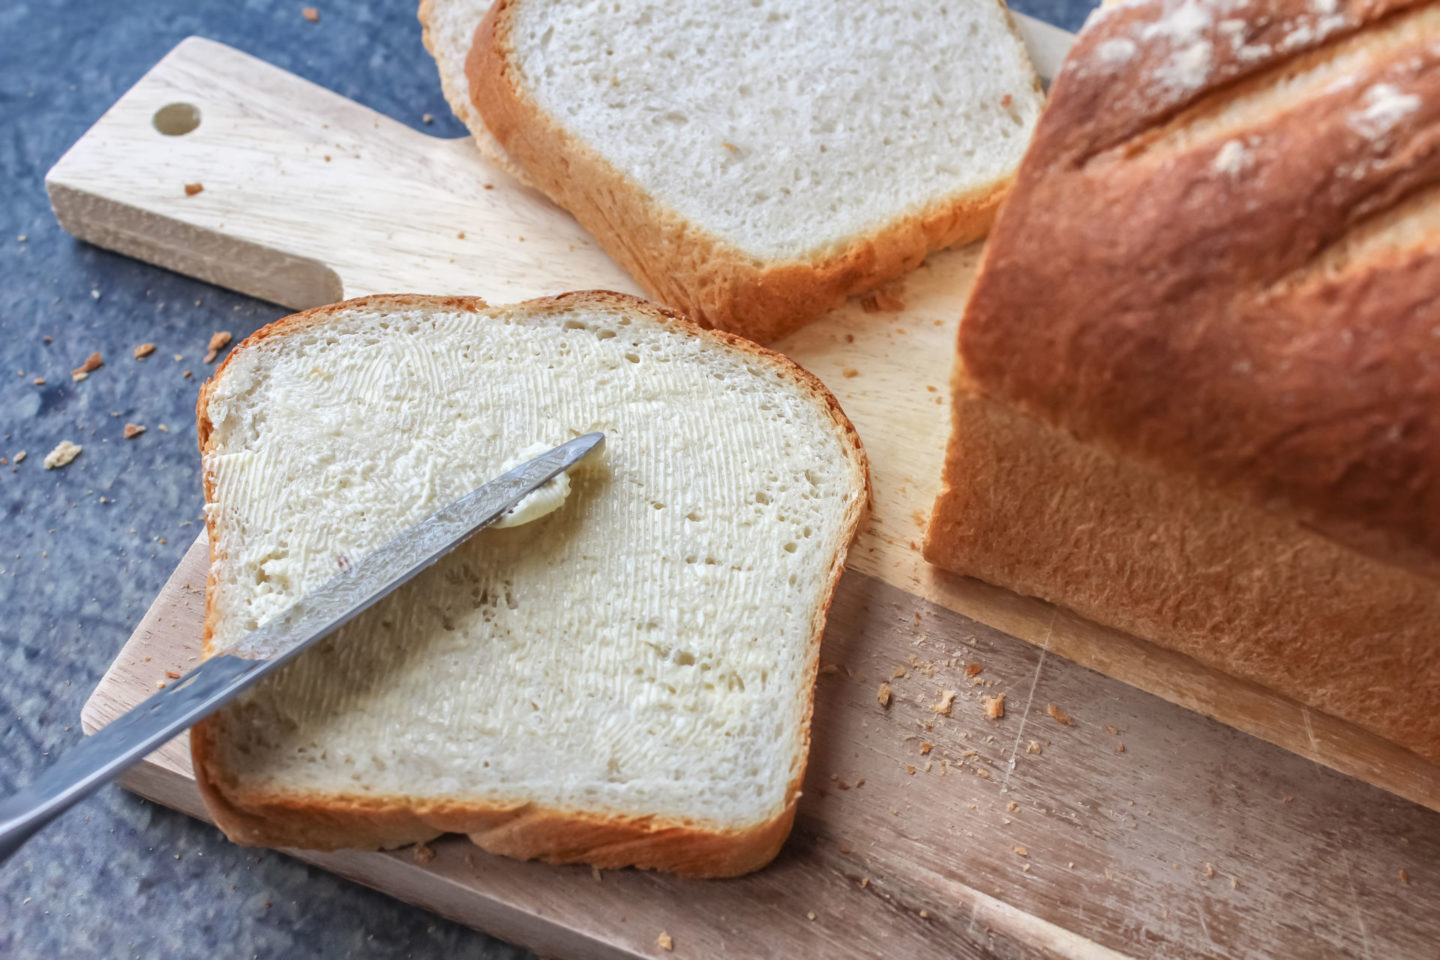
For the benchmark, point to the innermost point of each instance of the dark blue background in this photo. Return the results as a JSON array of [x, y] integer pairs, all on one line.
[[118, 876]]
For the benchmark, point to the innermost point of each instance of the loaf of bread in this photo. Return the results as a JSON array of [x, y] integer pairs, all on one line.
[[1198, 392], [751, 164], [625, 680]]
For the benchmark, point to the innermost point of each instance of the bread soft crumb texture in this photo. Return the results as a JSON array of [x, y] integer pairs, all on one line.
[[839, 115], [755, 163], [64, 452], [644, 653]]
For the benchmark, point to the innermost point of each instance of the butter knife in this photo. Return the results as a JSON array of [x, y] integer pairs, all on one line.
[[199, 693]]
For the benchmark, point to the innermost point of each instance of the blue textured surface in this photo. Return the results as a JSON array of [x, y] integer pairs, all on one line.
[[85, 549]]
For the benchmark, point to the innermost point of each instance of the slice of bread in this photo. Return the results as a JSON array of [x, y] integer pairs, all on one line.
[[751, 164], [624, 681]]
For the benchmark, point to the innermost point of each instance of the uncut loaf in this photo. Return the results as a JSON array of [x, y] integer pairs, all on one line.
[[626, 680], [1198, 392]]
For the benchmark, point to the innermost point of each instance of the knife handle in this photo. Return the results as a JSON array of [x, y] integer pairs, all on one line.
[[99, 758]]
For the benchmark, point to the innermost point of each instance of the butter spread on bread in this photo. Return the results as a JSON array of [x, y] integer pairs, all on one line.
[[624, 681]]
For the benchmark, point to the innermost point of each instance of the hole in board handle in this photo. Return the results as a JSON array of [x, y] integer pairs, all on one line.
[[176, 119]]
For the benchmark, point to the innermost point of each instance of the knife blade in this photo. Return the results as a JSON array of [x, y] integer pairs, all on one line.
[[199, 693]]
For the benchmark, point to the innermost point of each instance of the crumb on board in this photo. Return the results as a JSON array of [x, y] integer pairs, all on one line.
[[64, 452], [133, 430], [973, 669], [1120, 748], [173, 674], [144, 350], [1059, 715], [422, 853], [849, 372], [39, 381], [883, 695], [1234, 884], [218, 341], [946, 704], [311, 14], [1021, 851], [910, 769], [1404, 876], [1111, 730], [925, 749], [898, 673], [665, 943], [20, 457], [193, 188], [810, 915], [995, 707], [889, 298], [1012, 806], [1209, 871], [864, 882], [1033, 747]]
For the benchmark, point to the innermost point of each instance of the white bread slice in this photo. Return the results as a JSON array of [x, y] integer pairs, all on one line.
[[624, 681], [751, 163]]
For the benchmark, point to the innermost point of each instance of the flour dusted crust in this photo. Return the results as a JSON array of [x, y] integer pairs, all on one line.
[[1222, 258], [528, 831], [1196, 392], [676, 261]]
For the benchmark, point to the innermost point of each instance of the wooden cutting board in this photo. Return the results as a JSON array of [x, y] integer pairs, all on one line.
[[1138, 829]]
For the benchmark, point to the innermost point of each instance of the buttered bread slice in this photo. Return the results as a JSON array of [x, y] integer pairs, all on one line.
[[626, 680]]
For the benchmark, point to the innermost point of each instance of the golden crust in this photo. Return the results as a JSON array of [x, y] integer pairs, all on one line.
[[1231, 585], [256, 817], [1174, 270], [677, 262]]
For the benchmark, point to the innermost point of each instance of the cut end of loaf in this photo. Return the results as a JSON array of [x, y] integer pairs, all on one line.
[[638, 663]]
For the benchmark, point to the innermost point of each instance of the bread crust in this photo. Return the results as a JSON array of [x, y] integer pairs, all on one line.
[[526, 831], [676, 261], [1234, 586], [1191, 286]]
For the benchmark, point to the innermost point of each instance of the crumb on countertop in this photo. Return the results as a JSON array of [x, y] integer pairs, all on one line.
[[193, 188], [218, 341], [947, 702], [64, 452], [883, 695], [995, 707], [91, 364], [133, 430], [1059, 715], [665, 943], [144, 350], [422, 853], [311, 14]]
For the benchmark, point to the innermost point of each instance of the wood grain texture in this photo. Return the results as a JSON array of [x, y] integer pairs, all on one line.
[[393, 210], [1119, 847]]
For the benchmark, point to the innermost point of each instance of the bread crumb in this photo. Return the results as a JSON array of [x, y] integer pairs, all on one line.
[[910, 770], [20, 457], [924, 915], [422, 853], [173, 674], [193, 188], [460, 235], [883, 695], [1234, 884], [1111, 730], [144, 350], [864, 882], [995, 707], [973, 669], [311, 14], [218, 341], [1033, 747], [666, 943], [899, 672], [1021, 851], [1060, 715], [39, 381], [491, 186], [849, 372], [729, 146], [64, 452], [844, 847], [889, 298], [1209, 871], [427, 118], [810, 915], [133, 430], [91, 364], [947, 701], [1404, 876], [1120, 748], [1012, 806], [159, 684]]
